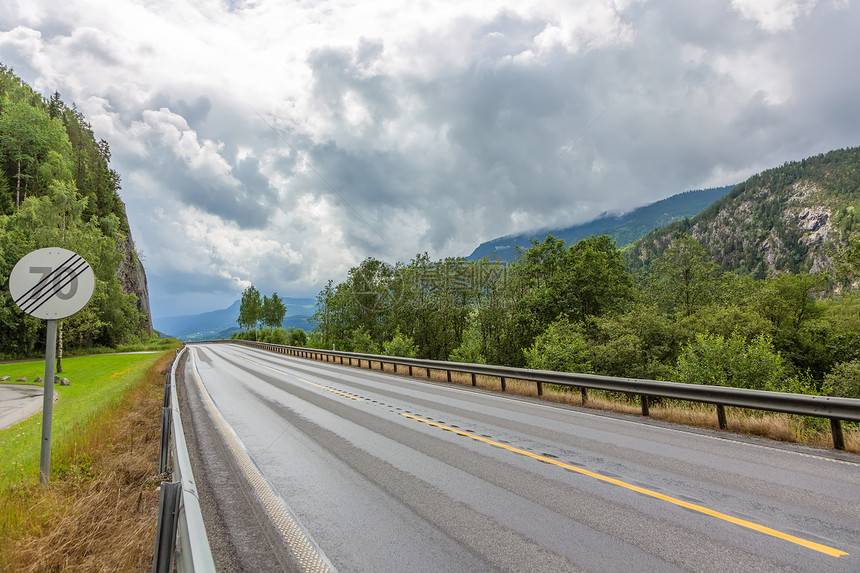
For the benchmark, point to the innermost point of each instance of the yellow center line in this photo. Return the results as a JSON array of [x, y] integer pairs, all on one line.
[[651, 493], [327, 389], [332, 390]]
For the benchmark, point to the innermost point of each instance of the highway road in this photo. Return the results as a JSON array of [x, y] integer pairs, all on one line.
[[388, 473]]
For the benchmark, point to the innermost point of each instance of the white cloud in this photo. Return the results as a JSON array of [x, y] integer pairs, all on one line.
[[425, 126], [774, 15]]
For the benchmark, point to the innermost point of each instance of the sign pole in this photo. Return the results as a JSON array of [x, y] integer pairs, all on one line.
[[52, 284], [48, 403]]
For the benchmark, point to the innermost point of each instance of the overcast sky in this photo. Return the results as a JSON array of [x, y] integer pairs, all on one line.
[[280, 143]]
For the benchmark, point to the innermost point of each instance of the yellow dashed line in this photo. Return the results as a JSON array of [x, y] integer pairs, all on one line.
[[326, 388], [651, 493]]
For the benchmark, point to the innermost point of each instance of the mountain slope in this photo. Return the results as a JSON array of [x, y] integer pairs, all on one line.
[[789, 219], [624, 229]]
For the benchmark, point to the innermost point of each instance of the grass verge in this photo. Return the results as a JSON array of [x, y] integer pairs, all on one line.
[[99, 513]]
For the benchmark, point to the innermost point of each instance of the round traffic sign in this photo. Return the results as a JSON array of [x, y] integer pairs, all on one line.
[[52, 283]]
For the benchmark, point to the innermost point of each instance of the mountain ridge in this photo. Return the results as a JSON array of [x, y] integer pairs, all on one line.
[[623, 229], [788, 219]]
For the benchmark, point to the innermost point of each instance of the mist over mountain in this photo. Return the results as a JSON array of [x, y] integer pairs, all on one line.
[[623, 229]]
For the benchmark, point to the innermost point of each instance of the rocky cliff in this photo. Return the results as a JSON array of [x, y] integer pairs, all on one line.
[[791, 219], [132, 277]]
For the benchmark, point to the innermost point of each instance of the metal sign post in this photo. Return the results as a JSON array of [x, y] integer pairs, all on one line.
[[50, 284]]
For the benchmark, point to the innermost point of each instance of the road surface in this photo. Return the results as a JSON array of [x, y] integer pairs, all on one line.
[[388, 473], [19, 401]]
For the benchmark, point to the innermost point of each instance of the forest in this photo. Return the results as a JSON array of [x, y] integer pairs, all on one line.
[[578, 308], [57, 189]]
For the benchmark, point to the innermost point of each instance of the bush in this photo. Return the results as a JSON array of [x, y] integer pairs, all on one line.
[[470, 347], [731, 361], [401, 345], [360, 341], [297, 337], [844, 379], [561, 347]]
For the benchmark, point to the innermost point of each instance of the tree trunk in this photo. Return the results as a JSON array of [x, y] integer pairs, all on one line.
[[60, 349], [18, 188]]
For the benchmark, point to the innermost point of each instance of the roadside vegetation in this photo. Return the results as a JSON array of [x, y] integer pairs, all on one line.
[[99, 512], [58, 190], [579, 308]]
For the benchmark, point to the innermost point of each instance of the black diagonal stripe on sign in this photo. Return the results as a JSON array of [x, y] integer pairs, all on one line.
[[74, 270], [73, 274], [46, 280], [47, 292], [38, 290]]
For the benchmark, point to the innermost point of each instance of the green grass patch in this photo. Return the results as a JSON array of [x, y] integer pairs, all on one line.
[[149, 344], [97, 384]]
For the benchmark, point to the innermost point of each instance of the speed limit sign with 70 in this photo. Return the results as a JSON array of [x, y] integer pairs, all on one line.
[[51, 283]]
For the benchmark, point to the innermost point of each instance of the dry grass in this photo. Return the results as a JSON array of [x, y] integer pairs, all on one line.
[[775, 426], [99, 513]]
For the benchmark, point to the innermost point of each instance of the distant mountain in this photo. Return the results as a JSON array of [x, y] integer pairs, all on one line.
[[624, 229], [789, 219], [219, 324]]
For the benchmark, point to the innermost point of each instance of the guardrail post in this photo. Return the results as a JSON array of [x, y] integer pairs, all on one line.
[[410, 370], [721, 417], [583, 392], [164, 451], [836, 430], [449, 375], [168, 520], [474, 380], [428, 373], [540, 388], [644, 399], [504, 386]]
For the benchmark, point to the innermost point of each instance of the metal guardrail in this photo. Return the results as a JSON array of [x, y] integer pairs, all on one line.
[[180, 534], [834, 409]]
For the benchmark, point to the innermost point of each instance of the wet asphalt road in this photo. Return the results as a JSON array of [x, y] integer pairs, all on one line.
[[397, 474]]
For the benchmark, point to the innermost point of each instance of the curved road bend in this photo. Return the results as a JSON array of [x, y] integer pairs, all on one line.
[[396, 474]]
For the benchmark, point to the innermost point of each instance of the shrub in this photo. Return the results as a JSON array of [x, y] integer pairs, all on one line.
[[844, 379], [297, 337], [731, 361], [401, 345], [360, 341], [561, 347]]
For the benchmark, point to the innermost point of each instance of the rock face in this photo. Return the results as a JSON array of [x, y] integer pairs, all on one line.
[[787, 220], [132, 277]]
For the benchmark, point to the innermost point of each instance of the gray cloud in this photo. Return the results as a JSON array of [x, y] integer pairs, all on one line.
[[434, 131]]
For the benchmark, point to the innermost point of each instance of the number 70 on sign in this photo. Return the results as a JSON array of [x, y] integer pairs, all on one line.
[[51, 283]]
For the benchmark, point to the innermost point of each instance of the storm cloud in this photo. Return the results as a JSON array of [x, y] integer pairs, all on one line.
[[280, 144]]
